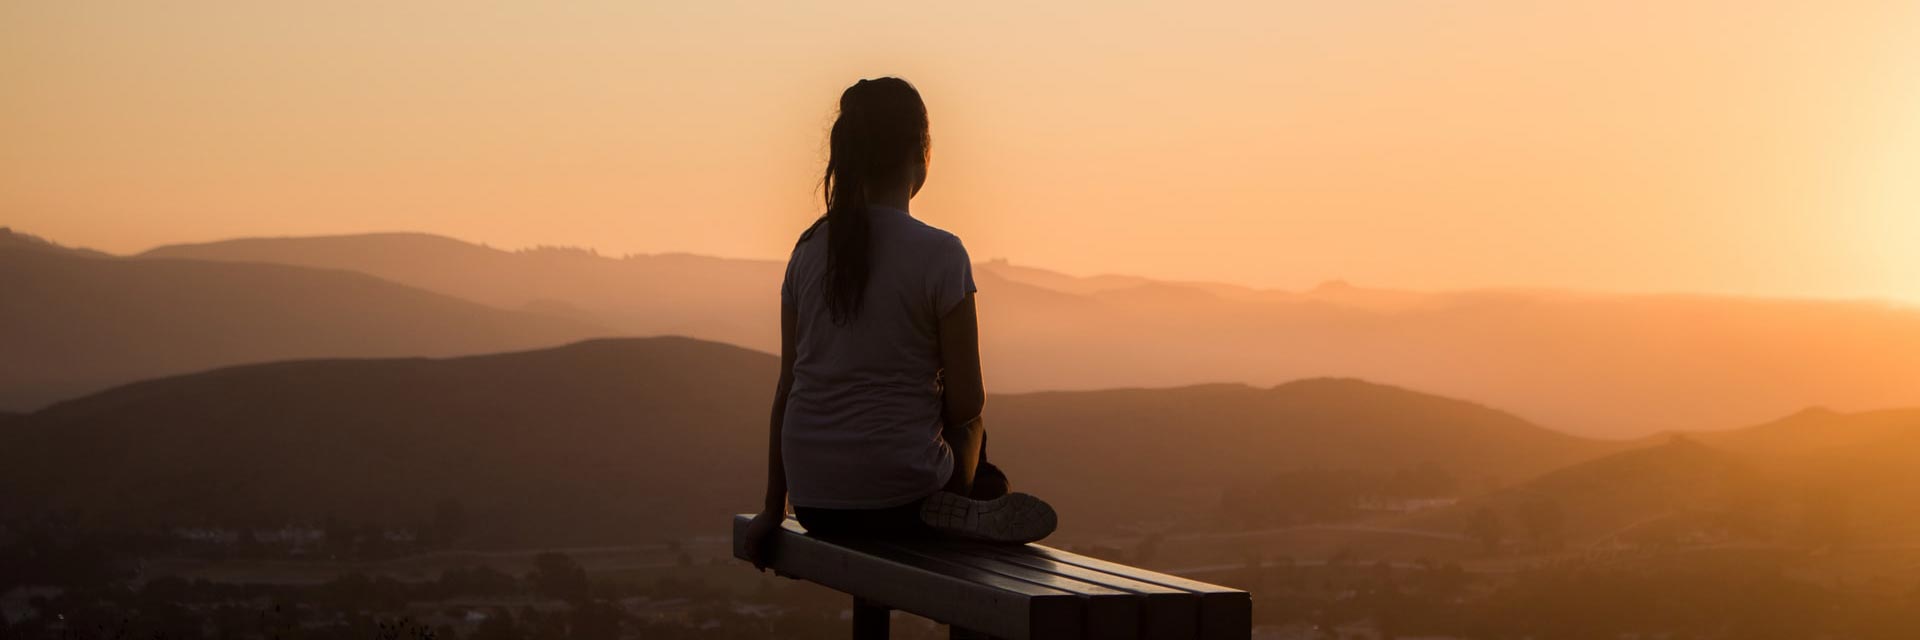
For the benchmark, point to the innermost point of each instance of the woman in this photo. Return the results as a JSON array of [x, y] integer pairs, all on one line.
[[876, 419]]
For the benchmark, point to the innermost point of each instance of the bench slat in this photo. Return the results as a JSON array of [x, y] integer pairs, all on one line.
[[1110, 613], [1167, 613], [1224, 612], [981, 600]]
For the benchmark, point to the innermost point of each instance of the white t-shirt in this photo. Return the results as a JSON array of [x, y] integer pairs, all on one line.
[[862, 428]]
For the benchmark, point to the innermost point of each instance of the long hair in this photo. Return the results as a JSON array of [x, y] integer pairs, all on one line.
[[879, 137]]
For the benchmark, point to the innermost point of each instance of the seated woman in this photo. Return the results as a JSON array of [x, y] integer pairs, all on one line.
[[876, 424]]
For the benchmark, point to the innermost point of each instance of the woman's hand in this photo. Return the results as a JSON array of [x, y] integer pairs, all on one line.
[[760, 537]]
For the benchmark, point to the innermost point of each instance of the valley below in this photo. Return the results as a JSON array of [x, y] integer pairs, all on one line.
[[208, 442]]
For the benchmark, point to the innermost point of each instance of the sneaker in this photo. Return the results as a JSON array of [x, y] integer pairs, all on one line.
[[1015, 517]]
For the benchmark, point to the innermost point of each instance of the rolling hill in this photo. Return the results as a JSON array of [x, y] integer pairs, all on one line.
[[1661, 493], [1858, 466], [1814, 478], [618, 440], [586, 442], [732, 301], [1606, 365], [1817, 433], [1112, 450], [74, 322]]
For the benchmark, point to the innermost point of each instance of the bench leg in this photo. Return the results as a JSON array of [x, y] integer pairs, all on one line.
[[869, 620]]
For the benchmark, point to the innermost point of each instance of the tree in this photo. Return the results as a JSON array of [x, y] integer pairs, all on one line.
[[1545, 520], [556, 575], [1485, 526]]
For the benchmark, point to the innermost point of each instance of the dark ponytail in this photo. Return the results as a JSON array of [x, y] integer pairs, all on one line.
[[880, 136]]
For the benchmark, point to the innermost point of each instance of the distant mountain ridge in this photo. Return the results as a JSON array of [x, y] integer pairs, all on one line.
[[74, 321], [610, 441], [17, 241], [664, 294], [1615, 494], [1814, 479], [615, 440], [1610, 365], [1111, 451]]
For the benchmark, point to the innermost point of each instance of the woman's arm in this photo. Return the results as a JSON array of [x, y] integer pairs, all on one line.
[[774, 511], [963, 394], [776, 466]]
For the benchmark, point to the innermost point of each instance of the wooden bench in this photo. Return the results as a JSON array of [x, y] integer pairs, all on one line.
[[1005, 591]]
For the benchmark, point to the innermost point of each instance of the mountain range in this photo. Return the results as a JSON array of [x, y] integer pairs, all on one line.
[[1606, 365], [615, 440], [333, 382], [1601, 365], [75, 321]]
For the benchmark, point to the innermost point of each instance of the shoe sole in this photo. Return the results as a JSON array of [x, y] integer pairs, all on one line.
[[1015, 517]]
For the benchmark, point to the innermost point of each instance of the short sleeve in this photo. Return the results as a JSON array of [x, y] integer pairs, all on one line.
[[786, 281], [951, 277], [789, 289]]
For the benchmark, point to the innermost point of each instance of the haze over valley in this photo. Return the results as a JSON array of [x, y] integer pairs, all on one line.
[[1595, 364], [625, 454], [1413, 320], [401, 419]]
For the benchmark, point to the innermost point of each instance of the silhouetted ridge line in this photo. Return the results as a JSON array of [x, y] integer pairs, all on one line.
[[1592, 363], [74, 323], [612, 440]]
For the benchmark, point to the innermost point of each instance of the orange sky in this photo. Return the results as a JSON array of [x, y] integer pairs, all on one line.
[[1743, 148]]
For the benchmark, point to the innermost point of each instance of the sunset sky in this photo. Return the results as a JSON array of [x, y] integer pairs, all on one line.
[[1737, 147]]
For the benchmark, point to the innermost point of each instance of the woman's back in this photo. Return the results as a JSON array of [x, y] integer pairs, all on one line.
[[863, 419], [876, 426]]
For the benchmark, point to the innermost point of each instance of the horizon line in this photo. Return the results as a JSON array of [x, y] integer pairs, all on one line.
[[1893, 301]]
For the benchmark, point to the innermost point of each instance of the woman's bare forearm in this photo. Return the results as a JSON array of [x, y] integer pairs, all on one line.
[[776, 499], [962, 428], [965, 440], [962, 393]]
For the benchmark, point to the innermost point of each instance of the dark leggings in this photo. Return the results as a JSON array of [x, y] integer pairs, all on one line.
[[902, 521], [891, 522]]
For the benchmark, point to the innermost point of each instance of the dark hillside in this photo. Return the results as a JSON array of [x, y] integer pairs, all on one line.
[[612, 441], [73, 323]]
